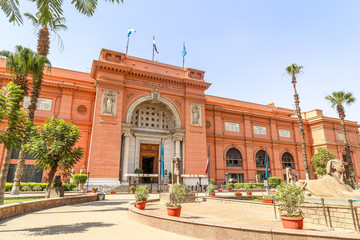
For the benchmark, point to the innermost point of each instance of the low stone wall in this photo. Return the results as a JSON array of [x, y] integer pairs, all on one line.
[[337, 216], [199, 229], [190, 198], [10, 210]]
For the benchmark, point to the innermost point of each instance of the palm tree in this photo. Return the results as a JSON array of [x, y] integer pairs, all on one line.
[[48, 17], [20, 64], [294, 70], [11, 10], [338, 99]]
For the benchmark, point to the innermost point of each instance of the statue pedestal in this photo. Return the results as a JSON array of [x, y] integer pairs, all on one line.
[[57, 192]]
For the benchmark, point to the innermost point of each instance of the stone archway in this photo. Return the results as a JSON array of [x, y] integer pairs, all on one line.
[[151, 120]]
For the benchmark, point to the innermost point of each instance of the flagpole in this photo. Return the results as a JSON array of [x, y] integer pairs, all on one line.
[[127, 46], [160, 163], [183, 61], [153, 52], [209, 164]]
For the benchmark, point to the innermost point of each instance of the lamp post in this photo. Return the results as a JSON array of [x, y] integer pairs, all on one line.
[[87, 185]]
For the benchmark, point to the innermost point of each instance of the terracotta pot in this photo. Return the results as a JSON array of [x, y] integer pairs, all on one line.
[[249, 193], [212, 194], [141, 205], [112, 192], [132, 191], [131, 184], [94, 191], [219, 190], [238, 194], [267, 200], [150, 191], [229, 190], [165, 184], [292, 222], [174, 211]]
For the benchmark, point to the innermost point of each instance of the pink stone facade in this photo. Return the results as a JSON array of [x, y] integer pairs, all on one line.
[[127, 106]]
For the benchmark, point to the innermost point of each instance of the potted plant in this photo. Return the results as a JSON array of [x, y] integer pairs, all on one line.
[[211, 190], [229, 187], [290, 197], [138, 171], [177, 193], [267, 199], [212, 181], [247, 188], [165, 184], [141, 195], [94, 189], [112, 192], [238, 193], [132, 189]]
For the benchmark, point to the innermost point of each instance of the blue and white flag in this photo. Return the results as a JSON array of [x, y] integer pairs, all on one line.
[[161, 160], [154, 45], [130, 31], [184, 50], [266, 163]]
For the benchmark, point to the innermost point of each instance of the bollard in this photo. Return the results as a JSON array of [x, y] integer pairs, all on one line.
[[323, 205], [328, 210], [357, 218], [352, 213]]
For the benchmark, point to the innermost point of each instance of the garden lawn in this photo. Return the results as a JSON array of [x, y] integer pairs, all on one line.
[[9, 201]]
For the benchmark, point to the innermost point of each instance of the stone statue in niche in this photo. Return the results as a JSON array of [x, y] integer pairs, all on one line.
[[176, 170], [109, 103], [195, 115], [331, 185]]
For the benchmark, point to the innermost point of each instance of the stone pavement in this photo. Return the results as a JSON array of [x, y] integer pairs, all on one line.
[[103, 220]]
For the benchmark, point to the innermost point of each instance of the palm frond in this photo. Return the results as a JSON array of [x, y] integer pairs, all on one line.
[[11, 10]]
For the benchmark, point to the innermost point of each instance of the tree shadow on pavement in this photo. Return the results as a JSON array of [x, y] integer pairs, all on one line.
[[62, 229], [95, 210]]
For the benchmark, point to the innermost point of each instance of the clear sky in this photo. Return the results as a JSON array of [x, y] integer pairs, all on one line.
[[242, 45]]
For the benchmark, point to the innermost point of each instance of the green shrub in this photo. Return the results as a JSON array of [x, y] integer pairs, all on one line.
[[8, 187], [253, 185], [37, 188], [80, 178], [212, 181], [229, 186], [26, 188], [290, 197], [141, 193], [69, 186], [274, 181]]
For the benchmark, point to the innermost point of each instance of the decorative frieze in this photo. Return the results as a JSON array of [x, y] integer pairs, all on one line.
[[259, 130], [284, 133], [232, 127], [42, 104]]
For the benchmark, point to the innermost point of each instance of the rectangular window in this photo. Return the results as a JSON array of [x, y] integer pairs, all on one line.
[[234, 163], [31, 174], [232, 127], [284, 133], [15, 154], [340, 136], [260, 130], [238, 176]]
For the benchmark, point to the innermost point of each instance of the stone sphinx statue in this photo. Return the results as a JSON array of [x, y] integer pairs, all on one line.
[[57, 190], [331, 185]]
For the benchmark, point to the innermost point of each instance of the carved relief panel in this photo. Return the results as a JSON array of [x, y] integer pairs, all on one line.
[[195, 114], [109, 103]]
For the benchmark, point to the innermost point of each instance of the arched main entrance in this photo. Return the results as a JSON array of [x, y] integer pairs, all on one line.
[[151, 121]]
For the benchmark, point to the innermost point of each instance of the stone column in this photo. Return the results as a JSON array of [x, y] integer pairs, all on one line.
[[177, 146], [125, 156]]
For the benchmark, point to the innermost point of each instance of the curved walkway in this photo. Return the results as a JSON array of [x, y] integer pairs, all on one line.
[[107, 219]]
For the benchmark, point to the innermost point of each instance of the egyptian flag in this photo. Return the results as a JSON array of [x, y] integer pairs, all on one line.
[[154, 45]]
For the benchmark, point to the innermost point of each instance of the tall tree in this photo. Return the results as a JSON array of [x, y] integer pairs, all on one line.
[[49, 17], [293, 70], [20, 63], [53, 146], [11, 10], [338, 99]]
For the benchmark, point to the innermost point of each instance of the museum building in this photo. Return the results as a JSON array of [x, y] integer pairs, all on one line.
[[127, 107]]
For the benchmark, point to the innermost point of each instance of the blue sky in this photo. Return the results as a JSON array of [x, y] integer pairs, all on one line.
[[243, 46]]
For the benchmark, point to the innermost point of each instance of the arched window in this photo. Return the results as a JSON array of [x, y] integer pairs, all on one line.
[[287, 161], [233, 158], [260, 159]]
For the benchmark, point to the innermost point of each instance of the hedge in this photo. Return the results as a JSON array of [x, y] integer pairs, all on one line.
[[80, 178], [253, 185], [67, 186], [274, 181]]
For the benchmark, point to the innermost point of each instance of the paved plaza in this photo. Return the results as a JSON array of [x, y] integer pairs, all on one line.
[[107, 219]]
